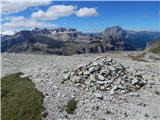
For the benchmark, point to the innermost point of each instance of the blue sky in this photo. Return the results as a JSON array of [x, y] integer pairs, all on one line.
[[91, 16]]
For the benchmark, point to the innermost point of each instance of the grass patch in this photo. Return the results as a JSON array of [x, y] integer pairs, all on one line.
[[20, 99], [156, 50], [71, 106], [154, 47], [138, 57]]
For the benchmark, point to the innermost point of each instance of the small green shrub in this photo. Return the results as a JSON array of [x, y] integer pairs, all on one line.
[[71, 106], [62, 81], [157, 92], [156, 50]]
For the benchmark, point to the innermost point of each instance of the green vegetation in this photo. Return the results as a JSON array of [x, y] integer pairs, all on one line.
[[20, 99], [71, 106], [157, 92], [138, 57], [156, 49]]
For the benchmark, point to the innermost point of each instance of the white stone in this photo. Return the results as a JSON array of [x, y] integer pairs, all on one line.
[[66, 77], [100, 82], [112, 92], [134, 81], [112, 68], [108, 60], [91, 69], [115, 87], [92, 77], [23, 76], [100, 77], [102, 87], [65, 71], [99, 96], [80, 73], [86, 73], [94, 63]]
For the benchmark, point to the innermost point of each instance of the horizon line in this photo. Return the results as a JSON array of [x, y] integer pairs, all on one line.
[[124, 28]]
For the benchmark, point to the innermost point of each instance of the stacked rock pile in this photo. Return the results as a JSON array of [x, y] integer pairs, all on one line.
[[108, 75]]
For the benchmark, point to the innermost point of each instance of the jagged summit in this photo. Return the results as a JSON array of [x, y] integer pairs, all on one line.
[[116, 32], [58, 30], [63, 29], [116, 27], [44, 30], [69, 40]]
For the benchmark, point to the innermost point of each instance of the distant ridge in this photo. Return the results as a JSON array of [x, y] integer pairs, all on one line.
[[66, 41]]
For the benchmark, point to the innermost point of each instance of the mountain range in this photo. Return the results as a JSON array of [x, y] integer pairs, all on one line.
[[67, 41]]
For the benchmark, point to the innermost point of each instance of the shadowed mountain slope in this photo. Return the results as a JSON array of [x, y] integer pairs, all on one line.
[[66, 41]]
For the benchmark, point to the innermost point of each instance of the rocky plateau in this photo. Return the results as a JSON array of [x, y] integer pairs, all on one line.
[[108, 86]]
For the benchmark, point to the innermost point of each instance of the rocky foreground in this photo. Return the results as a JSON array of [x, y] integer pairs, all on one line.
[[107, 86]]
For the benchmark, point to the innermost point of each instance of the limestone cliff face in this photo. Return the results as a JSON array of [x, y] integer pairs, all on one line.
[[114, 38]]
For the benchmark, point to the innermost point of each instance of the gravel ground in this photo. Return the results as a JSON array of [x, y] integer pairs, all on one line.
[[47, 72]]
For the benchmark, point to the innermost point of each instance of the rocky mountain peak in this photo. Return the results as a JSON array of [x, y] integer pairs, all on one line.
[[24, 33], [116, 32], [116, 36], [64, 30], [115, 28], [113, 38]]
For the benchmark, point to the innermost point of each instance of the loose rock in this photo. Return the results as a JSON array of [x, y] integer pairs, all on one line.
[[99, 96], [107, 74]]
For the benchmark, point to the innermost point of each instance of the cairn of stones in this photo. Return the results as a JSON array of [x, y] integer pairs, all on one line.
[[106, 74]]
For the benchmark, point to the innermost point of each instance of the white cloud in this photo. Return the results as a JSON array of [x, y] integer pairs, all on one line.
[[18, 23], [13, 6], [86, 12], [16, 19], [39, 18], [54, 12]]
